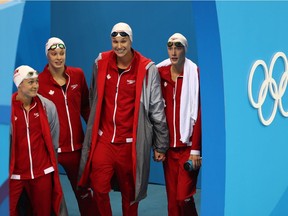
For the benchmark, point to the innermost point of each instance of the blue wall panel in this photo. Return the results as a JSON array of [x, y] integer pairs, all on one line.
[[213, 110], [35, 30], [23, 25], [256, 155], [244, 161], [85, 28], [10, 20]]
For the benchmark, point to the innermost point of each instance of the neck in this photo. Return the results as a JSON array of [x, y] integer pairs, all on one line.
[[25, 100], [125, 61], [177, 69], [175, 72], [58, 75], [56, 72]]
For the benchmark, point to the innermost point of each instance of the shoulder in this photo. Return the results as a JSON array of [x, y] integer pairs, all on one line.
[[164, 70], [45, 73], [73, 70], [191, 64], [46, 102], [104, 56], [143, 60], [75, 73]]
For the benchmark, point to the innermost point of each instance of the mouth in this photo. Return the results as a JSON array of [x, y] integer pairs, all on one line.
[[58, 62], [120, 51]]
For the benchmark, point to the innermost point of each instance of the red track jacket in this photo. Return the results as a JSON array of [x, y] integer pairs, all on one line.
[[171, 93], [58, 196], [71, 105]]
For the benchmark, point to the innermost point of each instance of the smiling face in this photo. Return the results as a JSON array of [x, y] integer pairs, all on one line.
[[28, 88], [121, 45]]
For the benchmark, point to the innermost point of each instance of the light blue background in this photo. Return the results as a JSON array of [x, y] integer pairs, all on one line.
[[22, 25], [256, 155], [244, 162], [10, 19]]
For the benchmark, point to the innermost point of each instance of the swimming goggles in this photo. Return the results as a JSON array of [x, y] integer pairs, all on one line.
[[54, 46], [177, 44], [122, 34]]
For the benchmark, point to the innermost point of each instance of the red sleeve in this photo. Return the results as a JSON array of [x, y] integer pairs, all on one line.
[[197, 133]]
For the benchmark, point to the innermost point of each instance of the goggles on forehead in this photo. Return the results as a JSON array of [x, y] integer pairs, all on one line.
[[54, 46], [177, 44], [32, 74], [122, 34]]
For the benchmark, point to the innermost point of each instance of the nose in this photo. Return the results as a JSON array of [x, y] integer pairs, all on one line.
[[59, 56], [173, 50], [36, 84], [118, 45]]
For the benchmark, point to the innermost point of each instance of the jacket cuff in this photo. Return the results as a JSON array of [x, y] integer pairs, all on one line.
[[194, 152]]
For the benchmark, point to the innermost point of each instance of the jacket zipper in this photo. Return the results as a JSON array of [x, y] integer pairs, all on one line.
[[26, 116], [115, 108], [68, 113], [174, 112]]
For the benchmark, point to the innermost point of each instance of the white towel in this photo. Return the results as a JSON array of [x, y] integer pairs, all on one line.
[[189, 98]]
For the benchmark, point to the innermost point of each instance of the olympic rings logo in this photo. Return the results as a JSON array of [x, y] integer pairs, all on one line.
[[270, 84]]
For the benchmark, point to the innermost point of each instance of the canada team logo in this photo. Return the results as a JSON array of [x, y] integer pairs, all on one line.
[[269, 85], [51, 92]]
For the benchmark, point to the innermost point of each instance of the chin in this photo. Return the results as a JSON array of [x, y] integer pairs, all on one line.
[[58, 65], [35, 93], [120, 54]]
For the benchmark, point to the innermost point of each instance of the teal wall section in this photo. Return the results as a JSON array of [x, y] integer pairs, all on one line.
[[35, 30], [24, 27], [10, 21], [213, 110]]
